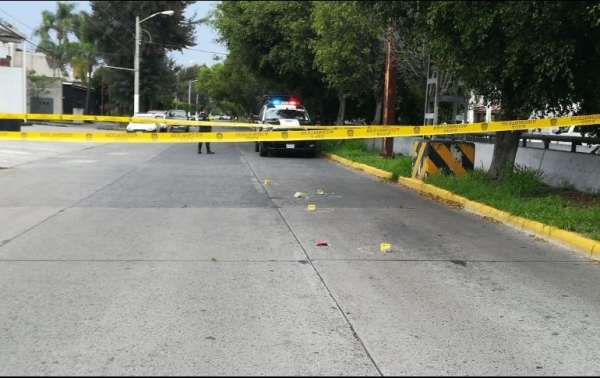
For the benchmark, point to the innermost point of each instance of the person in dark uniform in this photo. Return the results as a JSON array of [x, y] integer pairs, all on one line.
[[203, 116]]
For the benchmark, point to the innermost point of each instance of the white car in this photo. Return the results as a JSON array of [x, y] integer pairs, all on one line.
[[146, 127], [163, 127]]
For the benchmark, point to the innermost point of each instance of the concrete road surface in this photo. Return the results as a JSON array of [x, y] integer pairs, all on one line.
[[124, 259]]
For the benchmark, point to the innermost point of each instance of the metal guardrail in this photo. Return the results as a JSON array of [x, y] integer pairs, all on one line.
[[546, 139]]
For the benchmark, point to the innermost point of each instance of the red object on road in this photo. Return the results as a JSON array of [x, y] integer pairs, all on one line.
[[322, 244]]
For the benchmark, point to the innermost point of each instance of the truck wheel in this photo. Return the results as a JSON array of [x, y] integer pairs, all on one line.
[[256, 146], [262, 150]]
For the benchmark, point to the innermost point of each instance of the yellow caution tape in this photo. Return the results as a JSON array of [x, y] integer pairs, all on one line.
[[306, 133], [74, 117]]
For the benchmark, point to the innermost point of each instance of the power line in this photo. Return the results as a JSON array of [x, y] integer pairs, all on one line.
[[25, 47], [3, 11], [50, 58], [108, 9], [128, 25], [108, 35], [27, 26], [115, 14], [122, 47], [9, 29]]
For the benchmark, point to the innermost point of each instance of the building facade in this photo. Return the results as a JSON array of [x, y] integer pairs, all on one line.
[[51, 93]]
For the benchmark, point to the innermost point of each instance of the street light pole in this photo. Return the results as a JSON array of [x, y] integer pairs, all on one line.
[[190, 91], [183, 66], [136, 62], [136, 67]]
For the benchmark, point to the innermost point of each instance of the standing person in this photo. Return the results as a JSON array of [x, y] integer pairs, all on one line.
[[203, 116]]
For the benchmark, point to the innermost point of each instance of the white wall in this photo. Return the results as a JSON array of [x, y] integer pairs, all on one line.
[[55, 91], [11, 93], [582, 170], [4, 50], [11, 90], [560, 167], [35, 61]]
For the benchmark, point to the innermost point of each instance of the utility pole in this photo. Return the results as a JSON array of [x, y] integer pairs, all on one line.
[[190, 91], [136, 60], [136, 68], [389, 97]]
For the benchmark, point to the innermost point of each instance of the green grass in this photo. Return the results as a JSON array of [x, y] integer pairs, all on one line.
[[520, 192], [356, 150]]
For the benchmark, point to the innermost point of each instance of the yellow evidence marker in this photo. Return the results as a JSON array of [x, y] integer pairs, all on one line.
[[311, 207], [267, 182], [319, 192], [385, 247]]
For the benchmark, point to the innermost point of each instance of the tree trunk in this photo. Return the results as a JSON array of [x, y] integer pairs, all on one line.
[[377, 119], [389, 98], [341, 110], [378, 108], [507, 142], [505, 152]]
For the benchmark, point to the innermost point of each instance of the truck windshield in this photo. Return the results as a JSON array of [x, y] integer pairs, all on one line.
[[178, 114], [286, 114]]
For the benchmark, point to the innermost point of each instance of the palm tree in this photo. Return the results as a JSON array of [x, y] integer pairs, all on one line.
[[61, 23], [84, 56], [83, 61]]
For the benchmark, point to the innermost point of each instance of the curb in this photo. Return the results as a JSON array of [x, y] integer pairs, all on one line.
[[361, 167], [588, 247]]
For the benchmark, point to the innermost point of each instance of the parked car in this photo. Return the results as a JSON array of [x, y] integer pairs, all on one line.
[[572, 130], [578, 131], [146, 127], [163, 127], [178, 114]]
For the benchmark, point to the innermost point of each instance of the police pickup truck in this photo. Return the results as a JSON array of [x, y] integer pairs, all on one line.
[[283, 113]]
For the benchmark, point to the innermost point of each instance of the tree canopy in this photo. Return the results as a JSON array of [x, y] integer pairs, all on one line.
[[522, 55], [530, 57], [113, 29]]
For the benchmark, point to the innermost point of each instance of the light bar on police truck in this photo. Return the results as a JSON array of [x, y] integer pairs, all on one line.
[[278, 101]]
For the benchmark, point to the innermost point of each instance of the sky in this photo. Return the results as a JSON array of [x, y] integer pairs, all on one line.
[[27, 15]]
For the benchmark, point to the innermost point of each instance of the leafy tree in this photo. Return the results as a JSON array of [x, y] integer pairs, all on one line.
[[517, 54], [38, 84], [183, 77], [61, 24], [406, 23], [272, 39], [210, 85], [231, 86], [582, 21], [349, 51], [84, 55], [113, 25]]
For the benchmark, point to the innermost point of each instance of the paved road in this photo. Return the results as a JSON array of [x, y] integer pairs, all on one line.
[[152, 260]]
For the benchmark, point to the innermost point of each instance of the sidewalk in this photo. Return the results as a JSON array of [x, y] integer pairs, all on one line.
[[85, 126], [15, 153]]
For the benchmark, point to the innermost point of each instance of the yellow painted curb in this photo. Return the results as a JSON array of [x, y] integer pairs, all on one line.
[[588, 247], [361, 167]]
